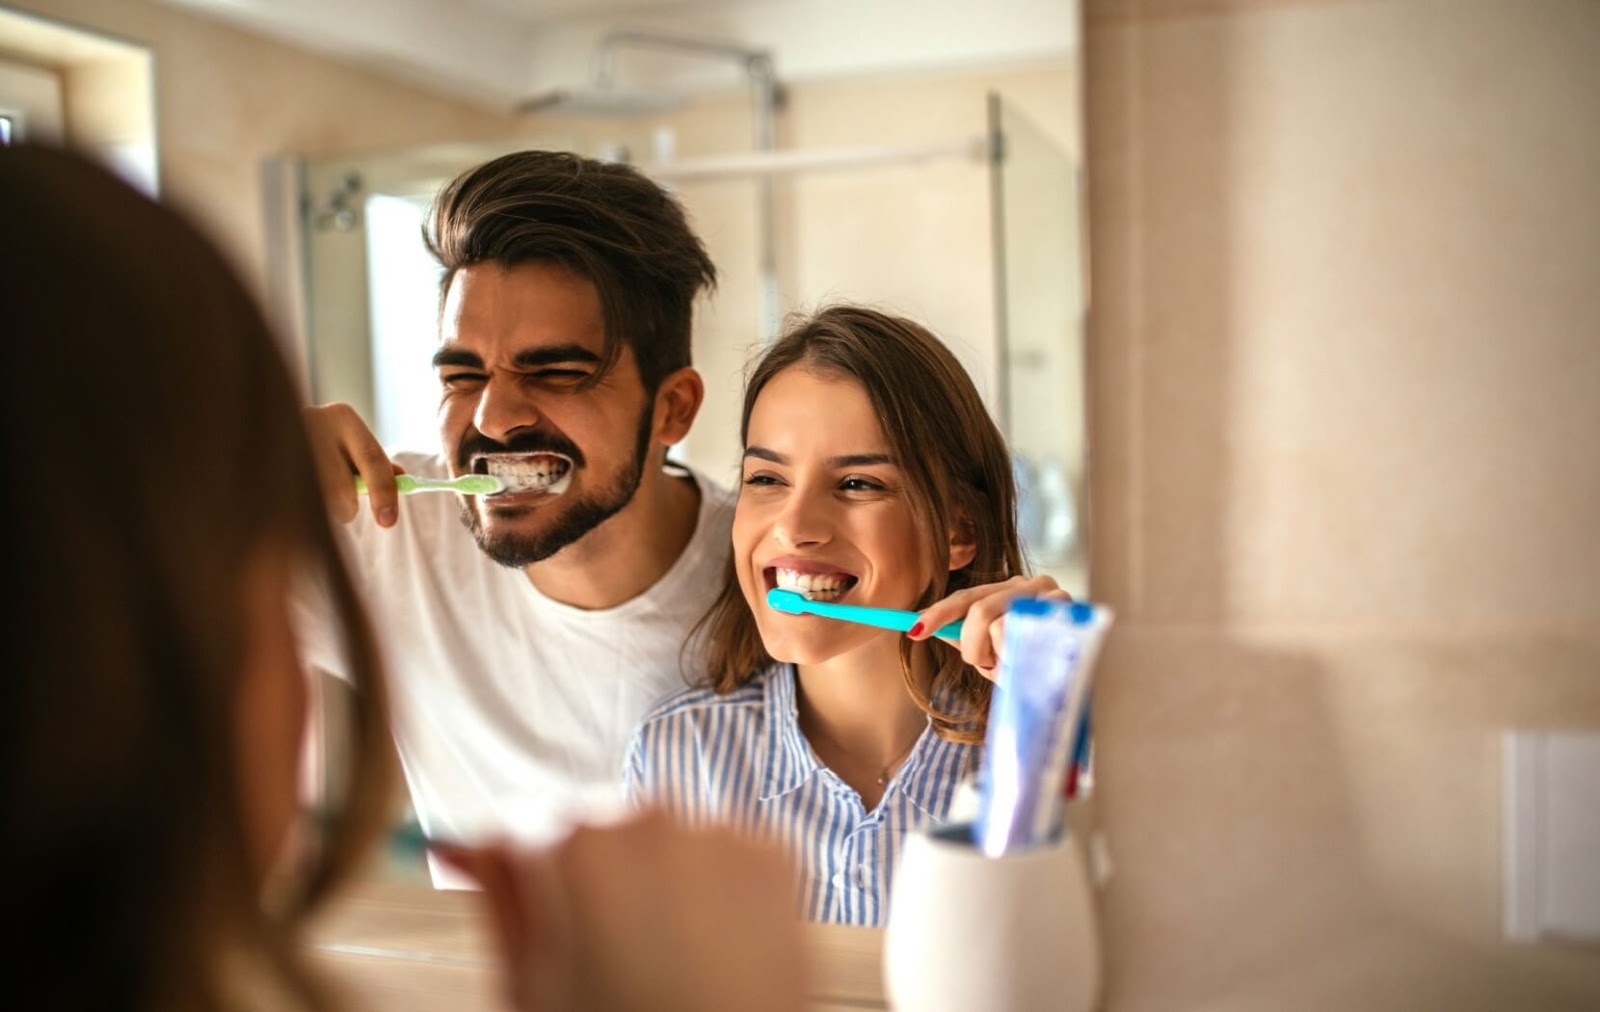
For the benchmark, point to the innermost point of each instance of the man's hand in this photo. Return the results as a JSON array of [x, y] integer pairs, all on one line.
[[643, 916], [344, 447]]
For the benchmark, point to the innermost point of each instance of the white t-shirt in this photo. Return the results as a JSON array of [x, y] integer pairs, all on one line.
[[513, 711]]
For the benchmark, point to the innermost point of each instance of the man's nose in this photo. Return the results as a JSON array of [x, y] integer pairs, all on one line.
[[504, 408]]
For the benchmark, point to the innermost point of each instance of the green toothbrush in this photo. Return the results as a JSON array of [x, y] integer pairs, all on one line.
[[467, 484]]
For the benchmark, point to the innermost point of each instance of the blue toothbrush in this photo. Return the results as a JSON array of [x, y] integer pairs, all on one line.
[[794, 603]]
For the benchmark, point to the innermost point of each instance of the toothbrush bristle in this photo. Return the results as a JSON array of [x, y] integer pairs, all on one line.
[[787, 601]]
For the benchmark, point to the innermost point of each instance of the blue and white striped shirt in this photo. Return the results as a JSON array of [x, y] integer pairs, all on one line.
[[741, 759]]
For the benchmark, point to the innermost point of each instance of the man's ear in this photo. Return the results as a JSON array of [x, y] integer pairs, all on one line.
[[678, 400], [963, 543]]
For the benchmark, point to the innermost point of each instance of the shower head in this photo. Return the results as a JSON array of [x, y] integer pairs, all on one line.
[[598, 102]]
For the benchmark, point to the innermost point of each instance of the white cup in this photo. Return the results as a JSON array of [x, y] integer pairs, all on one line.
[[967, 932]]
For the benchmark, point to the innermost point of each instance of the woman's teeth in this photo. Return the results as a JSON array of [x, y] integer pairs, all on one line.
[[816, 586]]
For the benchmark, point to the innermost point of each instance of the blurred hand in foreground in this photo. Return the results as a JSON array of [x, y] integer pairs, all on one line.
[[642, 916]]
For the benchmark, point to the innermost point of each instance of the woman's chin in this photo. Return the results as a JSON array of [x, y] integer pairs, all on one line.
[[791, 653], [813, 646], [787, 648]]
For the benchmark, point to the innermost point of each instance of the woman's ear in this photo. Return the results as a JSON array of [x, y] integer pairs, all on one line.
[[963, 543]]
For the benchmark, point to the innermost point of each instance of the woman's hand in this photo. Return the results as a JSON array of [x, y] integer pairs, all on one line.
[[982, 610], [643, 915], [344, 447]]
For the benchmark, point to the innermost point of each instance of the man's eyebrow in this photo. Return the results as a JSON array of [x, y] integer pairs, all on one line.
[[848, 460], [533, 358], [456, 356], [558, 354]]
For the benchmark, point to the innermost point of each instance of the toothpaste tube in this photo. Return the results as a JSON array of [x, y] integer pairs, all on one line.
[[1038, 707]]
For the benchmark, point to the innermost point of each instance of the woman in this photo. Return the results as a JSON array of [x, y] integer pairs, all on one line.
[[872, 475]]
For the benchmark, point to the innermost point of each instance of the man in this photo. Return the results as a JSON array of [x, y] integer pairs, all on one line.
[[527, 632]]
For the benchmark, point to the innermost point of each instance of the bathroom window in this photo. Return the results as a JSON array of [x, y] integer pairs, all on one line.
[[403, 304], [30, 102], [54, 76]]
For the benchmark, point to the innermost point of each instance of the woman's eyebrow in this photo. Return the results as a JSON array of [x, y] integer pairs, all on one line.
[[762, 453], [860, 460], [848, 460]]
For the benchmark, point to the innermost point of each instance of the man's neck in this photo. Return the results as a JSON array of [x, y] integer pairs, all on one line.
[[626, 555]]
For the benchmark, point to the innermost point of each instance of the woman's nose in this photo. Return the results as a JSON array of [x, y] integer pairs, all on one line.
[[804, 521]]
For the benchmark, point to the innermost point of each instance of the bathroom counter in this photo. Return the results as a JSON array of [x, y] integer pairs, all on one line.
[[407, 948]]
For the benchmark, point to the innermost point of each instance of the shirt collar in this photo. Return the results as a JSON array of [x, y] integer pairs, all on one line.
[[924, 778], [929, 776], [790, 761]]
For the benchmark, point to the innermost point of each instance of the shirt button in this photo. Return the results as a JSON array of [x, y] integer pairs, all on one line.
[[839, 880]]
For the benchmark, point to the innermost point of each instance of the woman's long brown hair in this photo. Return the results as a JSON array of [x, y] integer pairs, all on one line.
[[958, 475], [152, 450]]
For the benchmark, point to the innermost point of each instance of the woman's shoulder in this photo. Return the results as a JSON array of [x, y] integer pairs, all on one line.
[[698, 704]]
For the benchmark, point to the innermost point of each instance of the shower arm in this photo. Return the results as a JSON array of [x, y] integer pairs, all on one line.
[[766, 99], [757, 65]]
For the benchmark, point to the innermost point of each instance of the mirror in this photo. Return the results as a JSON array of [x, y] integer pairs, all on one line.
[[1040, 304], [948, 195]]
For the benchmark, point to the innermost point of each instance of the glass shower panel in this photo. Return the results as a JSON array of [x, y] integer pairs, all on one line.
[[1040, 316], [371, 286]]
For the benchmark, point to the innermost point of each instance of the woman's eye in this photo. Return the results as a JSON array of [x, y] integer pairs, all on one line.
[[861, 485], [760, 479]]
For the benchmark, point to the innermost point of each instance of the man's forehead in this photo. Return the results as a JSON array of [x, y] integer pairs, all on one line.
[[504, 312]]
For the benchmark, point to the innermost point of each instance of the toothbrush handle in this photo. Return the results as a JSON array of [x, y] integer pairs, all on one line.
[[406, 484], [883, 618]]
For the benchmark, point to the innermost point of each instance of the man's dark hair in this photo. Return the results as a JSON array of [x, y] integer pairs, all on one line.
[[604, 221]]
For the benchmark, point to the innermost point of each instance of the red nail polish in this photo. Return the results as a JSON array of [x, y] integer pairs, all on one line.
[[915, 631]]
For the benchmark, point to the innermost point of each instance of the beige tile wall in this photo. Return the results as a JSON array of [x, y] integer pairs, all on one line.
[[1345, 389]]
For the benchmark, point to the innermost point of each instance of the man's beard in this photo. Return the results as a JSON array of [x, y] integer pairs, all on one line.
[[577, 518]]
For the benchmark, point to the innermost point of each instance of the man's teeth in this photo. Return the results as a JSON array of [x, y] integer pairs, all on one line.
[[530, 476], [813, 585]]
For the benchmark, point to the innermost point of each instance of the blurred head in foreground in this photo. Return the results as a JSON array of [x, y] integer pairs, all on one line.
[[162, 502]]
